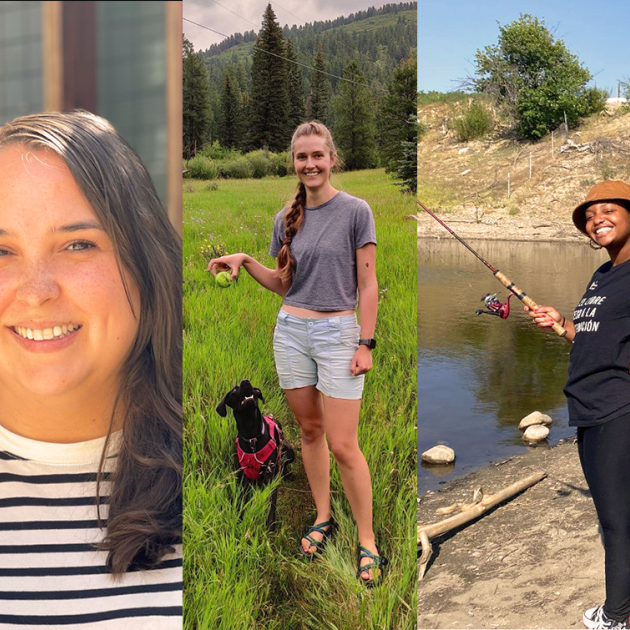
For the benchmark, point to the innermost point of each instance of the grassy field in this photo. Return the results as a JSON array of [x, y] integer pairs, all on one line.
[[237, 575]]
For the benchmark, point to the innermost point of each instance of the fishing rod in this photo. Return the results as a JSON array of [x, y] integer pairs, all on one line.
[[501, 277]]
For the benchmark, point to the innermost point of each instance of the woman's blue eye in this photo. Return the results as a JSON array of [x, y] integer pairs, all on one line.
[[80, 246]]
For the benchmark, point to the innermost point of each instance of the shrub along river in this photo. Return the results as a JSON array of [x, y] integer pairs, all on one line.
[[479, 375]]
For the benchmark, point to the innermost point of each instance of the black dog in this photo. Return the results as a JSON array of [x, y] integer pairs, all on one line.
[[262, 452]]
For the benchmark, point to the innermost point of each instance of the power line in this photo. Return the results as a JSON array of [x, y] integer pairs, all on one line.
[[236, 14], [307, 23], [297, 63], [289, 12]]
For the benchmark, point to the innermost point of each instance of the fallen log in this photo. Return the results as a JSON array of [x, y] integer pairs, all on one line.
[[427, 532]]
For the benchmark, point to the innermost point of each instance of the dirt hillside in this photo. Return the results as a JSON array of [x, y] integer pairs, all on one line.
[[467, 183]]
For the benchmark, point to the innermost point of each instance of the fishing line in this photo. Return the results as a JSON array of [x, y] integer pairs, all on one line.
[[501, 277]]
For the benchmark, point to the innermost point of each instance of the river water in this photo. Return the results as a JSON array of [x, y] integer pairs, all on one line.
[[479, 375]]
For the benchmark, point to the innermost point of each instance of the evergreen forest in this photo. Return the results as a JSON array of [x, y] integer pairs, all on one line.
[[356, 74]]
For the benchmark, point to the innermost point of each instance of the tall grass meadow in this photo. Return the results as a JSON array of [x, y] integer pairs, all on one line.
[[238, 575]]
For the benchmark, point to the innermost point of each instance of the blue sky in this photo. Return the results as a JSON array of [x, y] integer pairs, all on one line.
[[451, 31]]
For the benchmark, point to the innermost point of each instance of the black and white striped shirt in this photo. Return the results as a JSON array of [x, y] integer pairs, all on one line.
[[50, 574]]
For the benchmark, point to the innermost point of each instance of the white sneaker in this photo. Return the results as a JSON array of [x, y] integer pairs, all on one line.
[[597, 619]]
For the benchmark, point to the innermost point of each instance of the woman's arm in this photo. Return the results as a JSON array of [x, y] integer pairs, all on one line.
[[368, 306], [547, 316], [266, 277]]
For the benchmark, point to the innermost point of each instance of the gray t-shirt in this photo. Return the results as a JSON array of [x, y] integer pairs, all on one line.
[[325, 248]]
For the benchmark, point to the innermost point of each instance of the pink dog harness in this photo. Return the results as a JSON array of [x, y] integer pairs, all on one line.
[[252, 463]]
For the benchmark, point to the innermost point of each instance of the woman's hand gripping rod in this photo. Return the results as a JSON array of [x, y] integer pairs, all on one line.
[[501, 277]]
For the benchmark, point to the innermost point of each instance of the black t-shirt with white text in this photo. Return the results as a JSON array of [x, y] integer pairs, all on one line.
[[598, 389]]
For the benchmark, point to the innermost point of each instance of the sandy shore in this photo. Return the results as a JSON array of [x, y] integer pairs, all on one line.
[[535, 561]]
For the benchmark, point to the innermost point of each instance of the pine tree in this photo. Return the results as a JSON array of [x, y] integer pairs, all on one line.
[[399, 105], [355, 113], [269, 97], [296, 95], [231, 121], [196, 101], [320, 89], [407, 170]]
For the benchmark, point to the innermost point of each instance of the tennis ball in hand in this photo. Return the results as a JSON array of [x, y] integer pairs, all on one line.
[[223, 279]]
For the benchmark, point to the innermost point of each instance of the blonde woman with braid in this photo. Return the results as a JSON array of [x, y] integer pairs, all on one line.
[[325, 248]]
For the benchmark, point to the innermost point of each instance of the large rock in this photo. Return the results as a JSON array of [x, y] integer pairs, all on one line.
[[439, 454], [534, 418], [535, 433]]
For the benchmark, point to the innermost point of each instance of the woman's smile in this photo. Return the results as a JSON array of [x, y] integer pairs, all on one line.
[[45, 339], [45, 334], [608, 224]]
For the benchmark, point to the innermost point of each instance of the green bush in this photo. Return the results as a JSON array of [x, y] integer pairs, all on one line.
[[215, 161], [280, 163], [216, 152], [239, 168], [260, 162], [201, 168], [594, 101], [475, 123]]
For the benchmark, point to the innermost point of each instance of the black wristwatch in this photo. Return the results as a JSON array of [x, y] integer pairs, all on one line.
[[370, 343]]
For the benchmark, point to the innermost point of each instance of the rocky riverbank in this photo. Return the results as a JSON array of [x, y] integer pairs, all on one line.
[[535, 561]]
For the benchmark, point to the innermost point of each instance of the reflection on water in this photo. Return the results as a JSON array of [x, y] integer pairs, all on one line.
[[479, 375]]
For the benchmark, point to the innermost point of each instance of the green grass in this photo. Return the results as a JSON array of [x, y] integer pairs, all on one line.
[[238, 576]]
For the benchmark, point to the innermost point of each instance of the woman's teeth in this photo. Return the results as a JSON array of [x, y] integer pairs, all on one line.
[[45, 334]]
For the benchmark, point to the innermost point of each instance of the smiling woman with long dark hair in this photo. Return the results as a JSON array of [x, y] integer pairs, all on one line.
[[90, 382]]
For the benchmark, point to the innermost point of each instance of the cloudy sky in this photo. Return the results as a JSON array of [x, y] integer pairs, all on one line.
[[220, 15]]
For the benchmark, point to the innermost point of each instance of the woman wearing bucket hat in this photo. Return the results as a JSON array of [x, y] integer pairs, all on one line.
[[598, 388]]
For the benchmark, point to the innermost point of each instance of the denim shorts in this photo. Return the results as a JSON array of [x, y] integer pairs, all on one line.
[[318, 351]]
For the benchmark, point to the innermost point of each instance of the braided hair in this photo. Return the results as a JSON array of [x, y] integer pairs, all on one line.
[[295, 215]]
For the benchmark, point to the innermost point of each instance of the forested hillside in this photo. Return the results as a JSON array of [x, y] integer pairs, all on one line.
[[376, 39]]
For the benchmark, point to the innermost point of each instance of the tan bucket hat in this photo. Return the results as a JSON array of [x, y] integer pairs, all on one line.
[[605, 191]]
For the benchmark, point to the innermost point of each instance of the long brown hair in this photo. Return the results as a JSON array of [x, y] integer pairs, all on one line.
[[145, 501], [294, 217]]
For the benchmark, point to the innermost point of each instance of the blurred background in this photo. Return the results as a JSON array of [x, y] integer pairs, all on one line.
[[120, 60]]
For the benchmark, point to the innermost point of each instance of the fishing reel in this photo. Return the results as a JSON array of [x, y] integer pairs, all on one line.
[[495, 306]]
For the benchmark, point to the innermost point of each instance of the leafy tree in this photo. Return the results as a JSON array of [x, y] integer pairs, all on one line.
[[231, 121], [296, 94], [536, 78], [399, 105], [320, 88], [355, 113], [269, 96], [196, 101]]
